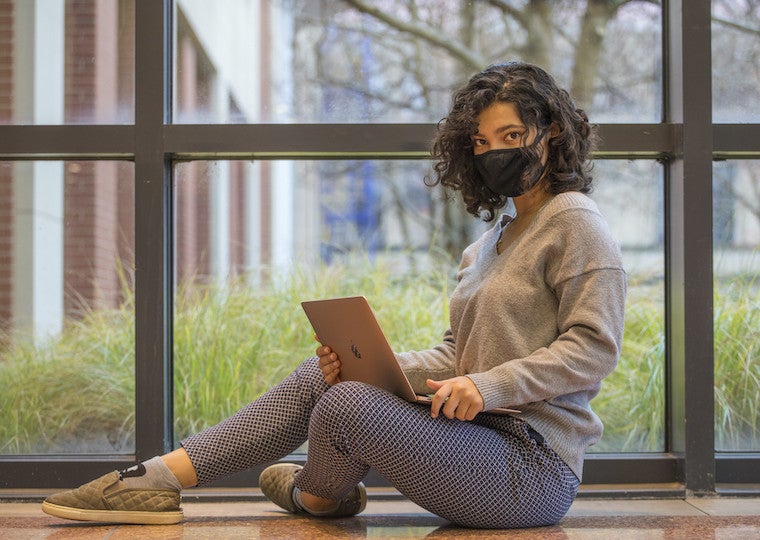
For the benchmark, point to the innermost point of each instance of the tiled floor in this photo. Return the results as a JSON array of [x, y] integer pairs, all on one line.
[[718, 518]]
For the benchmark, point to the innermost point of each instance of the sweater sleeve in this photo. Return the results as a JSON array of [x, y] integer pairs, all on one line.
[[585, 273], [586, 350], [436, 363]]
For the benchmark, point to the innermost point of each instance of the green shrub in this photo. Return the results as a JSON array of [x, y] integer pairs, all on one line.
[[71, 394], [737, 365], [233, 342], [631, 403]]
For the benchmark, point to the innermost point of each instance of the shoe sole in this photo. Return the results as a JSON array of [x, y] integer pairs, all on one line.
[[113, 516]]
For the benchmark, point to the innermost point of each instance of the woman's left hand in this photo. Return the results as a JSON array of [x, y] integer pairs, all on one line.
[[456, 398]]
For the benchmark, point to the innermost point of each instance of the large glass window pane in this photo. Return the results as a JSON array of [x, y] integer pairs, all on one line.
[[736, 61], [67, 62], [66, 307], [249, 249], [736, 225], [632, 401], [305, 61]]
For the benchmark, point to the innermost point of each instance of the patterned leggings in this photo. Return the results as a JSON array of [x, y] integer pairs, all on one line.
[[493, 472]]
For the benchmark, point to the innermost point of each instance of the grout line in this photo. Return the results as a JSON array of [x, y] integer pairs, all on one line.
[[706, 513]]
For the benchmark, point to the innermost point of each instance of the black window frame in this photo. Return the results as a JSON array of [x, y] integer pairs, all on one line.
[[686, 141]]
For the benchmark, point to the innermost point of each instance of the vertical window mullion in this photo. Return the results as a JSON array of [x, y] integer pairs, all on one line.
[[689, 244], [153, 274]]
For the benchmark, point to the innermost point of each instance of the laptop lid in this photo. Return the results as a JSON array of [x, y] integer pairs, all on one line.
[[349, 327]]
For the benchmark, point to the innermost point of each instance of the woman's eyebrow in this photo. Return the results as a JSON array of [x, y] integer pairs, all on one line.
[[502, 129]]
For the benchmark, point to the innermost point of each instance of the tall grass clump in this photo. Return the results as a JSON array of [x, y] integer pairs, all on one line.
[[737, 364], [233, 341], [631, 403], [72, 393]]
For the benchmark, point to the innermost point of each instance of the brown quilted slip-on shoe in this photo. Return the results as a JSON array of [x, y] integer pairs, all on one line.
[[277, 483], [108, 500]]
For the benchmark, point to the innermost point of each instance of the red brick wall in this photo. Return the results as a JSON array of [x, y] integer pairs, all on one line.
[[191, 186], [93, 210], [6, 61], [126, 173], [80, 61], [6, 247], [91, 235], [237, 217], [192, 223], [6, 169], [125, 201], [79, 178], [265, 196]]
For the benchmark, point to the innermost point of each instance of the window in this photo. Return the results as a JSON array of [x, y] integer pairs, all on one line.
[[249, 249], [344, 65], [334, 62], [736, 230], [241, 156], [67, 62], [66, 307], [736, 261], [736, 55]]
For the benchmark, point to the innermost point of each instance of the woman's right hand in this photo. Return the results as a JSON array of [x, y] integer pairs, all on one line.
[[329, 364]]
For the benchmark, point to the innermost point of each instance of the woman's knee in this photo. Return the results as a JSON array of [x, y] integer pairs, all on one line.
[[349, 402], [309, 374], [349, 395]]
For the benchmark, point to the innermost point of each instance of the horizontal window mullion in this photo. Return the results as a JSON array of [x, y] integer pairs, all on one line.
[[638, 468], [737, 468], [404, 141], [736, 141], [331, 141], [61, 142]]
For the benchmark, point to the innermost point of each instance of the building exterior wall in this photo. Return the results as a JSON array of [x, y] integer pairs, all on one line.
[[6, 171]]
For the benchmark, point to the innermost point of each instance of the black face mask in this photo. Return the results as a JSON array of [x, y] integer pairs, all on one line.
[[502, 170]]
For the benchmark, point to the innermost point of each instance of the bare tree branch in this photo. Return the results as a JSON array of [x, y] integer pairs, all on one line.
[[510, 11], [736, 26], [432, 36]]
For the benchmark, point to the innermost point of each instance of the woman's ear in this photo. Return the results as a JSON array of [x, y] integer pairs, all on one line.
[[554, 130]]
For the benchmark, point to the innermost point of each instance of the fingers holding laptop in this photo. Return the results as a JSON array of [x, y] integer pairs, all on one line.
[[329, 364], [456, 398]]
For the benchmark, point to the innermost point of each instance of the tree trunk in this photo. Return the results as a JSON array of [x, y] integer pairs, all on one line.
[[589, 49], [538, 24]]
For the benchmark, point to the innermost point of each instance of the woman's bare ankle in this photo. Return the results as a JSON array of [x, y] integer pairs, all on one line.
[[179, 463]]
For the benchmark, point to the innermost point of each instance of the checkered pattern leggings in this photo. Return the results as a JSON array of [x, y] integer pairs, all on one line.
[[493, 472]]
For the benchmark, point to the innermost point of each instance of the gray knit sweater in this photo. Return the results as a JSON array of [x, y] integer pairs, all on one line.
[[538, 327]]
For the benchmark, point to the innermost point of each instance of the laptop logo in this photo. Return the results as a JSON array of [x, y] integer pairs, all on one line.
[[355, 350]]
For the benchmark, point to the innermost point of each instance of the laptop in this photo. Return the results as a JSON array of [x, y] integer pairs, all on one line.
[[349, 327]]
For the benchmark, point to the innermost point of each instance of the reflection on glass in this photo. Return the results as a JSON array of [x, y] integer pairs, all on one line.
[[249, 249], [66, 62], [735, 61], [736, 266], [304, 61], [66, 307]]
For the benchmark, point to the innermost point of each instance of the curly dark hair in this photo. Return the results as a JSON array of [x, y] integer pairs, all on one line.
[[541, 104]]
